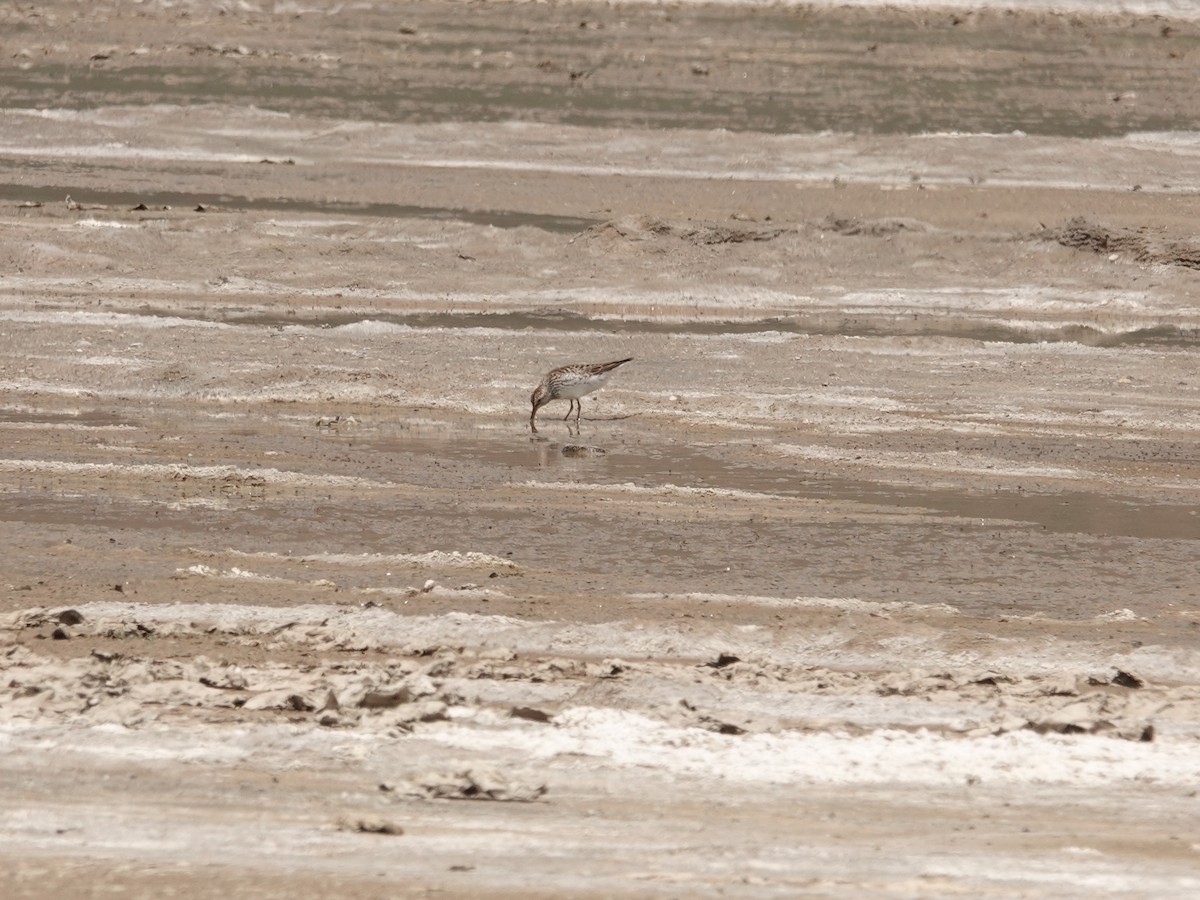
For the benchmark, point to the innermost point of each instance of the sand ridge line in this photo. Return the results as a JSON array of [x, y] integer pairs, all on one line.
[[184, 472], [433, 559]]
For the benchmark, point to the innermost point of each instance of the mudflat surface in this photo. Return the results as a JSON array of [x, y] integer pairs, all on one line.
[[873, 573]]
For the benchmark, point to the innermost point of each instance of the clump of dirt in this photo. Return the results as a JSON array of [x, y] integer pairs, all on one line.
[[646, 228], [855, 227], [1143, 246]]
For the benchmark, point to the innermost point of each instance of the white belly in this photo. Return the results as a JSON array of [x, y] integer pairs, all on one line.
[[575, 389]]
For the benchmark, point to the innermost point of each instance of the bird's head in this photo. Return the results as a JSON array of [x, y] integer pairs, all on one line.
[[539, 398]]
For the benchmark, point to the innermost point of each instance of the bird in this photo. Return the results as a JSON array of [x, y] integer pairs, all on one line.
[[571, 382]]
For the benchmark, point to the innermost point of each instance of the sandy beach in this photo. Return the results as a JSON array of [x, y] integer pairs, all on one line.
[[874, 573]]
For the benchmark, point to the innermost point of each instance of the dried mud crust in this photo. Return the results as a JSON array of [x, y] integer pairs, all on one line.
[[408, 685]]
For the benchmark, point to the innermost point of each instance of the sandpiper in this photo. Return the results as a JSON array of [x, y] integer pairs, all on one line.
[[571, 382]]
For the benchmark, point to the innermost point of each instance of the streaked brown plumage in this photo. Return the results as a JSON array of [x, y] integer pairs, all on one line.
[[571, 382]]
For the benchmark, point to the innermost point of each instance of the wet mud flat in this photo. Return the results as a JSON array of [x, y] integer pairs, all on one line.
[[873, 573]]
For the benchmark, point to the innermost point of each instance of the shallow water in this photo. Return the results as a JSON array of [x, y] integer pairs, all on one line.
[[784, 71], [960, 325], [161, 201], [1102, 512]]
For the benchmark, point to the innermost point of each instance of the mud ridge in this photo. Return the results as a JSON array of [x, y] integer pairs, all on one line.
[[1083, 234], [852, 226], [634, 229]]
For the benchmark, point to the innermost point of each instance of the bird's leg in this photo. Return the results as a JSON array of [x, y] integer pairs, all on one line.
[[578, 411], [570, 407]]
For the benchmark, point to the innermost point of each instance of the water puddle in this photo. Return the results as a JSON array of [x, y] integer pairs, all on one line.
[[586, 462], [850, 91], [85, 419], [179, 200], [961, 327]]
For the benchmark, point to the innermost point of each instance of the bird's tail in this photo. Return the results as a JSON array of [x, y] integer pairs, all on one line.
[[609, 366]]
